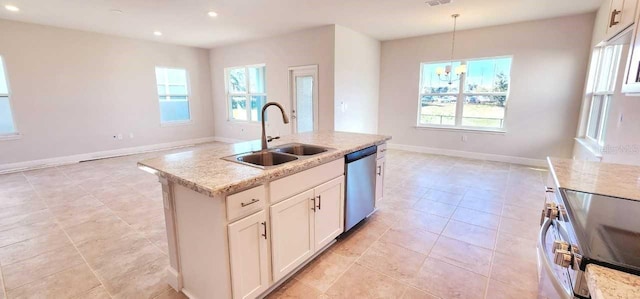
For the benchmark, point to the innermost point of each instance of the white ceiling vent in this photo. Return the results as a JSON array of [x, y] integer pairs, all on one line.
[[438, 2]]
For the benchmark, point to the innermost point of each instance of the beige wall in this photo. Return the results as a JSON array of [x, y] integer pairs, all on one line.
[[72, 91], [357, 81], [309, 47], [550, 58]]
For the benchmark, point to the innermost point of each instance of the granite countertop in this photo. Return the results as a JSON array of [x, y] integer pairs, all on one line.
[[605, 283], [202, 169], [595, 177]]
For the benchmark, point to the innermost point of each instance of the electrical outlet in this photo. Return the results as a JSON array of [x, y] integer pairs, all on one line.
[[464, 138], [120, 136]]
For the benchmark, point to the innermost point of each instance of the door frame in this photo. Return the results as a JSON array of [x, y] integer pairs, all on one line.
[[311, 70]]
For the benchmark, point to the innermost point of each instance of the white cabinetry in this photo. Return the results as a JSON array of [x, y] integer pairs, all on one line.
[[304, 224], [621, 16], [291, 229], [248, 254]]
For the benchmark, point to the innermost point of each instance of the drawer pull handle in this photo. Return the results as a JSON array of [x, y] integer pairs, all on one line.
[[379, 170], [314, 204], [319, 202], [254, 200], [264, 225], [613, 21]]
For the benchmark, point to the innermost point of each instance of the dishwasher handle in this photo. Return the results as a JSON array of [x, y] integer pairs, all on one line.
[[355, 156]]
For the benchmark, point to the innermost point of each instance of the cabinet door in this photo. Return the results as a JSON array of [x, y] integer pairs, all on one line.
[[291, 233], [379, 179], [631, 83], [628, 14], [329, 212], [248, 253]]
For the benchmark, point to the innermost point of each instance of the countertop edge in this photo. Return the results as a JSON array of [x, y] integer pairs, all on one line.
[[265, 176], [605, 283]]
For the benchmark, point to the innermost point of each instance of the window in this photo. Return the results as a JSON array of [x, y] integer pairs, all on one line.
[[476, 100], [246, 92], [173, 93], [600, 89], [7, 124]]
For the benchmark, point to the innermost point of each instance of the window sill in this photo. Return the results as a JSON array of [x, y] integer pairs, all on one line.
[[594, 148], [245, 122], [462, 129], [176, 123], [15, 136]]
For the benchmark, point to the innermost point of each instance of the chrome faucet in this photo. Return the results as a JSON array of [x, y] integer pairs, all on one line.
[[285, 119]]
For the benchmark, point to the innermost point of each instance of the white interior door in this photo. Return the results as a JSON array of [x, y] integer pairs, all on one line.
[[303, 82]]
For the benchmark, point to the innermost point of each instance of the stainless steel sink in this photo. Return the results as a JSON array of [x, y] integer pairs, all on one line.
[[300, 149], [263, 159], [279, 155]]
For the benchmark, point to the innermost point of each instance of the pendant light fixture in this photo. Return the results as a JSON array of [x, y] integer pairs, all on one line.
[[447, 73]]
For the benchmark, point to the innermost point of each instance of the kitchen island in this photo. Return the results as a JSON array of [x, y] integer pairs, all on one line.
[[237, 231]]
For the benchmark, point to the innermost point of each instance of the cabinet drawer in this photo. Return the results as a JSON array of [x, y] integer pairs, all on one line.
[[246, 202], [382, 150], [305, 180]]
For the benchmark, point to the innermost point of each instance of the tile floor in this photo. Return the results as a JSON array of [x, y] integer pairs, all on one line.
[[447, 228]]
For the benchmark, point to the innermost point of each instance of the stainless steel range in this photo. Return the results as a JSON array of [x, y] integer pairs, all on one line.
[[580, 228]]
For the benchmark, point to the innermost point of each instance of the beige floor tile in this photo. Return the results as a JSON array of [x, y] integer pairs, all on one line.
[[354, 244], [171, 294], [324, 271], [463, 255], [478, 218], [414, 239], [515, 271], [392, 260], [471, 234], [111, 258], [435, 208], [37, 267], [295, 289], [448, 281], [422, 220], [361, 282], [413, 293], [95, 293], [443, 197], [11, 222], [521, 228], [482, 205], [66, 284], [29, 207], [71, 215], [145, 281], [100, 228], [520, 213], [28, 231], [499, 290], [516, 246], [2, 293], [29, 248]]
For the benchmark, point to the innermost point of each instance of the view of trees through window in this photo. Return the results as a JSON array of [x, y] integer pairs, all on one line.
[[173, 93], [246, 92], [476, 99]]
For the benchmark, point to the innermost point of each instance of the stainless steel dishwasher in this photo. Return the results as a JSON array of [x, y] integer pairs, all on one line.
[[360, 168]]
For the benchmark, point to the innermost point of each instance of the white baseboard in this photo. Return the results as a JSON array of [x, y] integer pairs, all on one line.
[[35, 164], [469, 155]]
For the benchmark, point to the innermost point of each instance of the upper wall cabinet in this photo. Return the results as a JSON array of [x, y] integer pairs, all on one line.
[[631, 83], [621, 16]]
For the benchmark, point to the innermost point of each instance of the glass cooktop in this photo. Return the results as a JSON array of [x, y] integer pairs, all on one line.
[[607, 228]]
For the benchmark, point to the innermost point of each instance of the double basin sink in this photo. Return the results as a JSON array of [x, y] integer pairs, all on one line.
[[277, 155]]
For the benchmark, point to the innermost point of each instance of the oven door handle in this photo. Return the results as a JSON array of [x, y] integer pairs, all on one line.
[[547, 264]]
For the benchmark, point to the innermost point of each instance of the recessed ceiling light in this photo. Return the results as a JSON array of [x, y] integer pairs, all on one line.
[[12, 8], [157, 33], [212, 14]]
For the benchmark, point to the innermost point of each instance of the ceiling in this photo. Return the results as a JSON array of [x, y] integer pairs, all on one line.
[[186, 22]]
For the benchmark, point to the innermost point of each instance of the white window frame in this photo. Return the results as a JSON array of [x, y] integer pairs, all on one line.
[[460, 97], [16, 133], [593, 91], [168, 95], [248, 94]]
